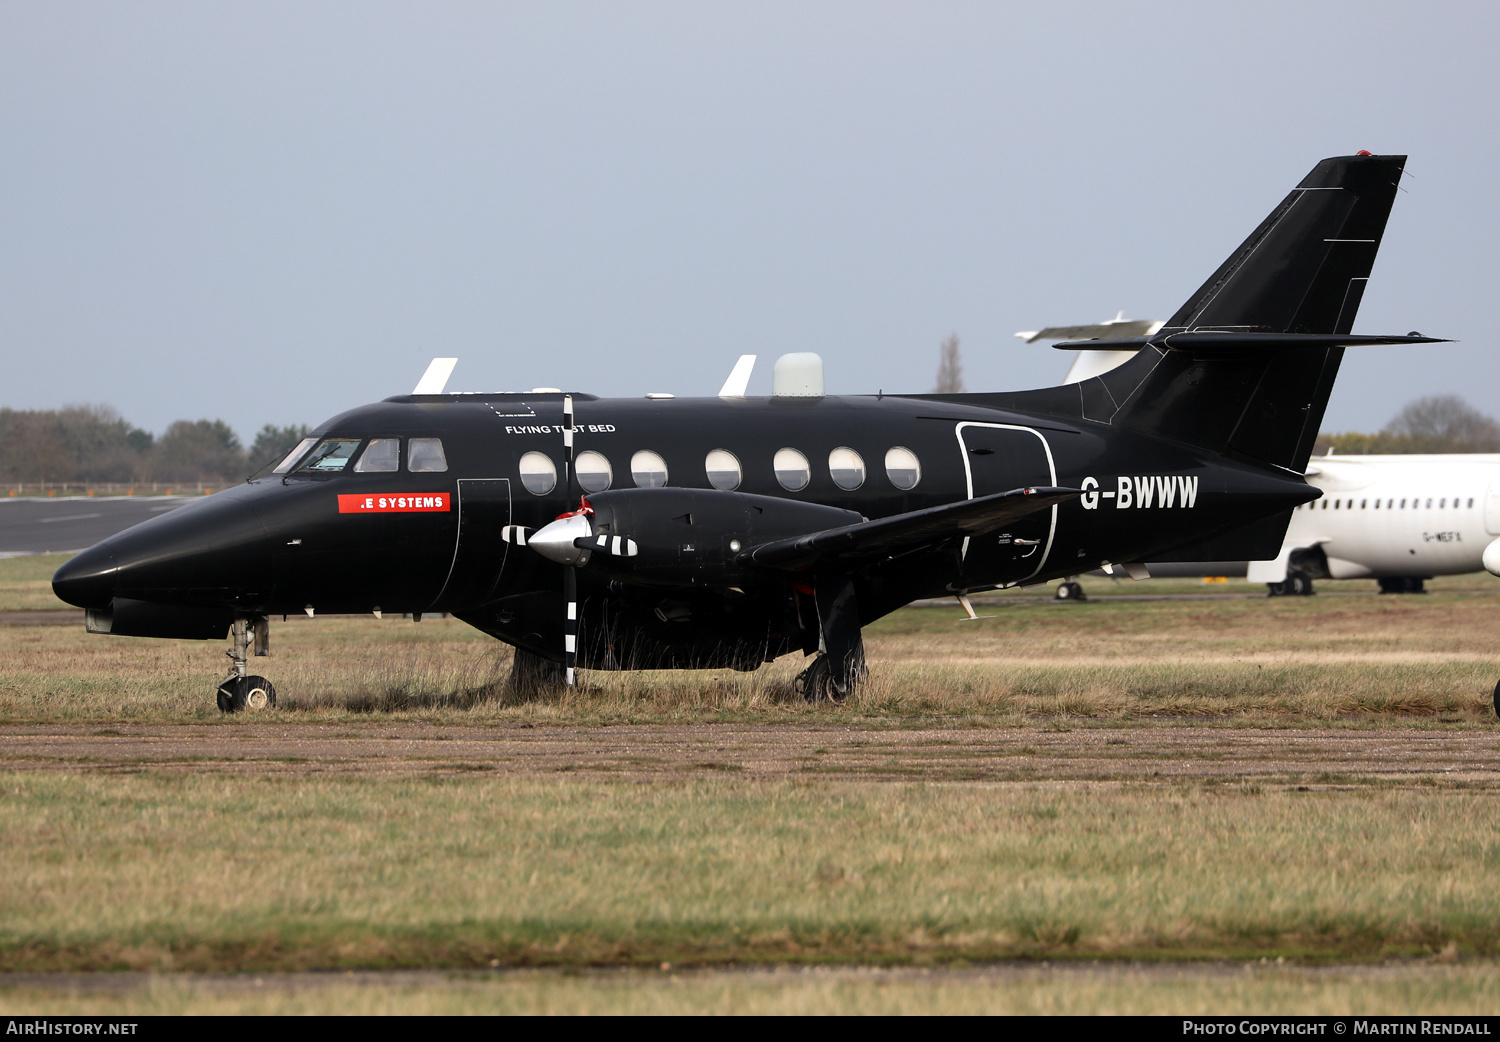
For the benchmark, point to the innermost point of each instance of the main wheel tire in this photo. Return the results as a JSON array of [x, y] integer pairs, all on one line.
[[1069, 591], [1298, 584], [1496, 699], [238, 694], [815, 683]]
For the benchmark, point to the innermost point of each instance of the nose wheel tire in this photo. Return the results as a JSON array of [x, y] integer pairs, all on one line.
[[239, 694]]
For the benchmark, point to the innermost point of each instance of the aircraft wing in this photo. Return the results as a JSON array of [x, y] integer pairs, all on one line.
[[968, 517]]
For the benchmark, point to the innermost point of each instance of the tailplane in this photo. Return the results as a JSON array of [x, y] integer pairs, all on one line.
[[1246, 365]]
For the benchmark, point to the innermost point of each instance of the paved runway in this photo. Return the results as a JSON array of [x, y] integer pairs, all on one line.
[[35, 525]]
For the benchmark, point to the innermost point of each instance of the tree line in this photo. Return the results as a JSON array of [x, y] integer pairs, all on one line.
[[1437, 423], [86, 443]]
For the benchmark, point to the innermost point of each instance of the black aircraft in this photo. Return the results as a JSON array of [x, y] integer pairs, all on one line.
[[697, 533]]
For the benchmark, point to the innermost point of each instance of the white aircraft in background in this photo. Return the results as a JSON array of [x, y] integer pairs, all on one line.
[[1398, 519]]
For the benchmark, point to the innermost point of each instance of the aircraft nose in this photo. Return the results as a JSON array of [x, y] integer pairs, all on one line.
[[88, 580], [209, 551]]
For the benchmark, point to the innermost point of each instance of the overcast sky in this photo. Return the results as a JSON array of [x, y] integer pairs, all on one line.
[[273, 212]]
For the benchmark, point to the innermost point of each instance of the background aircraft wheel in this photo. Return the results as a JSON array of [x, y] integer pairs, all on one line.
[[1069, 591], [253, 693], [1497, 700]]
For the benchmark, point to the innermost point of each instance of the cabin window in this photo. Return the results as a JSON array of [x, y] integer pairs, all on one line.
[[1471, 504], [723, 470], [792, 469], [331, 456], [1442, 502], [292, 457], [1403, 504], [648, 469], [847, 468], [1429, 504], [594, 471], [425, 456], [538, 473], [381, 456], [902, 468]]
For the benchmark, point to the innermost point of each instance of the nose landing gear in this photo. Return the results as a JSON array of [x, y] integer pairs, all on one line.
[[240, 691]]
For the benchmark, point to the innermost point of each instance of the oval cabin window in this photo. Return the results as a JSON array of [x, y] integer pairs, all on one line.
[[538, 473], [723, 470], [847, 468], [902, 468], [594, 472], [792, 470], [648, 469]]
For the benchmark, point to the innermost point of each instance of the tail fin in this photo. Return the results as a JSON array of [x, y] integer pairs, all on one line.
[[1303, 271], [1305, 268]]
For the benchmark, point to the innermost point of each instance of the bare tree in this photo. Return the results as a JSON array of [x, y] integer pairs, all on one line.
[[1444, 423], [950, 374], [1437, 423]]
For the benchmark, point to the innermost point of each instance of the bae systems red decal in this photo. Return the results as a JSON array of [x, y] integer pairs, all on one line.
[[421, 502]]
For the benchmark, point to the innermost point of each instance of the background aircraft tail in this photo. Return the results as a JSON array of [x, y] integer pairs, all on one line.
[[1243, 393]]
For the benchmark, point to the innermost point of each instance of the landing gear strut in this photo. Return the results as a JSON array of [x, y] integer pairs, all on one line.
[[240, 691], [840, 665]]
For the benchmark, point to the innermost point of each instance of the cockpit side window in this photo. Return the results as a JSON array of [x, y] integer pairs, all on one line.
[[425, 456], [331, 456], [381, 456], [292, 457]]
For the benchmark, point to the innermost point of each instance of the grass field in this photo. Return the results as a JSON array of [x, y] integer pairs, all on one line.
[[1108, 989], [1244, 659], [233, 861]]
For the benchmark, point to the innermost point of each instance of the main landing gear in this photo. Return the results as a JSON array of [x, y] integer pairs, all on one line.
[[240, 691], [1402, 584], [1069, 591], [1296, 584], [840, 666]]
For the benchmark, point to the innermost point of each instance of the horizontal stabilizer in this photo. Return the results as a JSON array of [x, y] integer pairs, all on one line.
[[1119, 327], [967, 517], [1224, 342]]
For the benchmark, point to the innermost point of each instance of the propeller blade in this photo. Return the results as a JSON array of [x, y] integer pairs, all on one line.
[[570, 577], [516, 534], [570, 624]]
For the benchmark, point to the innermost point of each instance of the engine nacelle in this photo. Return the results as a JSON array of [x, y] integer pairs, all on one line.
[[689, 536], [1491, 558]]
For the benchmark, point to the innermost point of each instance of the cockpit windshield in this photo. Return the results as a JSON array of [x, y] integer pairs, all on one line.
[[331, 456], [290, 459]]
